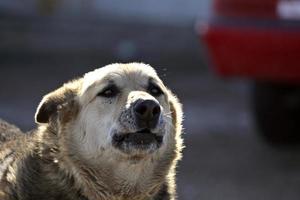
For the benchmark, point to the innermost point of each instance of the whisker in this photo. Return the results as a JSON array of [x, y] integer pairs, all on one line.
[[168, 116], [168, 113]]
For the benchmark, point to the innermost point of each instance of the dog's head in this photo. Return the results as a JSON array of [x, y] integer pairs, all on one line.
[[120, 109]]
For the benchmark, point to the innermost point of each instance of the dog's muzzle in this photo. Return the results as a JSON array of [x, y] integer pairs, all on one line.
[[146, 115]]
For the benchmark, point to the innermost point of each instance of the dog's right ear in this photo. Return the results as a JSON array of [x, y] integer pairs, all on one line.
[[48, 108]]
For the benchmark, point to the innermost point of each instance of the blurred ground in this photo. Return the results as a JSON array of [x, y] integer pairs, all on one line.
[[223, 160]]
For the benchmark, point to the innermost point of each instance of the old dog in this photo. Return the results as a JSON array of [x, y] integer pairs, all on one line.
[[113, 134]]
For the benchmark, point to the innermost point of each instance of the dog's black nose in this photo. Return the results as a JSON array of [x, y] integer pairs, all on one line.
[[146, 113]]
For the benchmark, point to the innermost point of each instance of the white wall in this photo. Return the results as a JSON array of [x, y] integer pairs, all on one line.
[[178, 12], [170, 11]]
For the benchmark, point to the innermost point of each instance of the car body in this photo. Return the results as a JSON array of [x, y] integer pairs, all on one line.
[[258, 39]]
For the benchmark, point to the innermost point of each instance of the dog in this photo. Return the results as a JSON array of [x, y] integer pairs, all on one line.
[[113, 134]]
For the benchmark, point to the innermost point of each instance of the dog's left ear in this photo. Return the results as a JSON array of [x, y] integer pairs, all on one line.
[[50, 104]]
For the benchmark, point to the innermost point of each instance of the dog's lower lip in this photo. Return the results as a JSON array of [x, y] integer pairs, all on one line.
[[139, 138], [119, 137]]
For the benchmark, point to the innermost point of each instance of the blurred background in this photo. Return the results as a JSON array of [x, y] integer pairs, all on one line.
[[234, 64]]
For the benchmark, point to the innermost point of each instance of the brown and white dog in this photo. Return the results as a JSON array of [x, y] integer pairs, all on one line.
[[114, 134]]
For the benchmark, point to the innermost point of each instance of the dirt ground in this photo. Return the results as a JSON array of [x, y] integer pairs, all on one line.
[[224, 158]]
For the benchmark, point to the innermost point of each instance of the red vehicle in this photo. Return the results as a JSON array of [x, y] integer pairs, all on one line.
[[260, 40]]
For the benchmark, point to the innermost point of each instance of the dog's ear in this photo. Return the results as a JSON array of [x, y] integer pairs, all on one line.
[[51, 102]]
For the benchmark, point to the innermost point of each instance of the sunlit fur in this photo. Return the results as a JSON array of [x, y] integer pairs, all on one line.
[[73, 143]]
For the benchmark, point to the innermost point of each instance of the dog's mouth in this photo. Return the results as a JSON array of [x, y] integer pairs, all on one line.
[[141, 140]]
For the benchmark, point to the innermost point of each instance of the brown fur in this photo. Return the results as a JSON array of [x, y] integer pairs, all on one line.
[[45, 165]]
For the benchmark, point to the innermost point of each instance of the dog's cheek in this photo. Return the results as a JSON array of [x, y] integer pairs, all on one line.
[[173, 114], [176, 113]]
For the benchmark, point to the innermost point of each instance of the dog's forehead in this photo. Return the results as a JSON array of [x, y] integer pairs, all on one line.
[[138, 73]]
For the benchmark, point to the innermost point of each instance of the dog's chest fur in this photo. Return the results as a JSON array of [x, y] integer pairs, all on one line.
[[136, 178], [131, 180]]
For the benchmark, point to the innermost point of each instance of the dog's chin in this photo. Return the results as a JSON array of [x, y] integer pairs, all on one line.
[[140, 142]]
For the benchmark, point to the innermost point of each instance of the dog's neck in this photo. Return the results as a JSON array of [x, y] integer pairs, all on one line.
[[121, 180]]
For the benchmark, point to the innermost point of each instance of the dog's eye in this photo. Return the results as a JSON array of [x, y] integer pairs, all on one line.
[[154, 90], [108, 92]]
